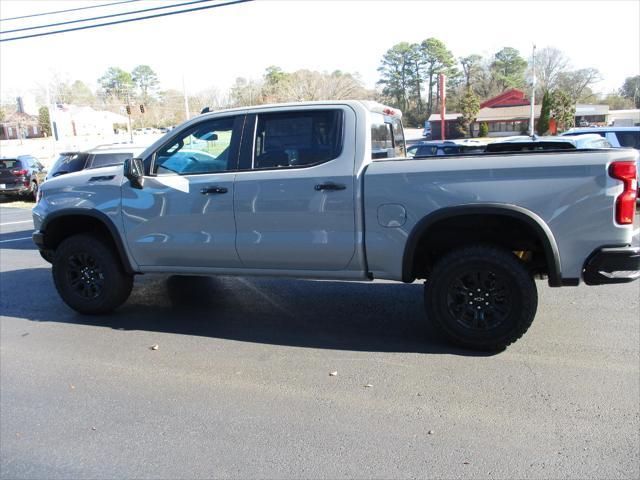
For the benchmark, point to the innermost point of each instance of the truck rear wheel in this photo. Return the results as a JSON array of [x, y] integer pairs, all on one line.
[[89, 276], [481, 297]]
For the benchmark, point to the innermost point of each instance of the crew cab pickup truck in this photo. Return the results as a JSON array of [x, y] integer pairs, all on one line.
[[325, 191]]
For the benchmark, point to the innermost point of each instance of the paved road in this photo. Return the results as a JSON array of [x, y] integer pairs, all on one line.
[[240, 385]]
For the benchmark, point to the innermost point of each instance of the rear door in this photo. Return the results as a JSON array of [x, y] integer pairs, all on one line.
[[294, 196]]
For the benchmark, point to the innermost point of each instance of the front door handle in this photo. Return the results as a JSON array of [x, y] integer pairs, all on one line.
[[213, 189], [329, 186]]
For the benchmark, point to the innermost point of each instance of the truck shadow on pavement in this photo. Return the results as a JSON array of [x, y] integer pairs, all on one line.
[[381, 317], [18, 240]]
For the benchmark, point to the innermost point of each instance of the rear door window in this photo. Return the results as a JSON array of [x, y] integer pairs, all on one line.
[[297, 139]]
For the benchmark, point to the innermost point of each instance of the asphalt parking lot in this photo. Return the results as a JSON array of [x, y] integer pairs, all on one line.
[[240, 383]]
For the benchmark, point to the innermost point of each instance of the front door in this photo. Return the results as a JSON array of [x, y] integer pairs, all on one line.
[[183, 216]]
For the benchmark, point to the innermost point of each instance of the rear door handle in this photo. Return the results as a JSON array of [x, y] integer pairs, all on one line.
[[213, 189], [329, 186]]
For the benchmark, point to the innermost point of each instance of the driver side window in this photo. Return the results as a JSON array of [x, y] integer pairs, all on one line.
[[207, 147]]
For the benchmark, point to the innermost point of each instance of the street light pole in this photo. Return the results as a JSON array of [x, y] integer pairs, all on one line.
[[187, 114]]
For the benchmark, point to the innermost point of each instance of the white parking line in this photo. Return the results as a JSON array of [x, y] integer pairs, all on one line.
[[636, 232], [15, 239], [15, 223]]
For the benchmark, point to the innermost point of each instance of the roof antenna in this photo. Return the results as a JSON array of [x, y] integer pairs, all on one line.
[[205, 110], [532, 130]]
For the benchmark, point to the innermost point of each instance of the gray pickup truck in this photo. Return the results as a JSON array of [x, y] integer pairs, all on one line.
[[324, 190]]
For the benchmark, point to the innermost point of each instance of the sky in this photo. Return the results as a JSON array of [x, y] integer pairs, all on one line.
[[211, 48]]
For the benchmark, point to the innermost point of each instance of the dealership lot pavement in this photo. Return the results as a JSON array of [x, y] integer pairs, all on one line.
[[240, 384]]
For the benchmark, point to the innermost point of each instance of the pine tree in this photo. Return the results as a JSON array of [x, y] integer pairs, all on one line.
[[545, 114]]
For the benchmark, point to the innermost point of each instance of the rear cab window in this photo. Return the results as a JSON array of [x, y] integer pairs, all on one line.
[[629, 139], [387, 136]]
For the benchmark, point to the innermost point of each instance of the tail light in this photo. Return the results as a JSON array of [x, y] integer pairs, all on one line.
[[626, 201], [19, 173]]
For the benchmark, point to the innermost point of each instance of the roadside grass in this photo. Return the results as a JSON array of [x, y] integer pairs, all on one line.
[[11, 202]]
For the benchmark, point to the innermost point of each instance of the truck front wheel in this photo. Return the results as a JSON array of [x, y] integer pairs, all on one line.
[[89, 276], [481, 297]]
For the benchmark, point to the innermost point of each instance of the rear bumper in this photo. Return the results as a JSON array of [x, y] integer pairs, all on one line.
[[612, 265], [13, 190]]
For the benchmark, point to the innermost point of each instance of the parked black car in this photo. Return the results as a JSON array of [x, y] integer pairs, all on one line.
[[69, 162], [21, 176]]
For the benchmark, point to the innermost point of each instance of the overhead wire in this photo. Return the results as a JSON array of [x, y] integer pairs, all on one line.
[[68, 10], [102, 17], [157, 15]]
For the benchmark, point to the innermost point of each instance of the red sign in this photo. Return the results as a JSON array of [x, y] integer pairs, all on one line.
[[443, 97]]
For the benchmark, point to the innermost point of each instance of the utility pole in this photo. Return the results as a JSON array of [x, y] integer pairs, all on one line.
[[51, 123], [532, 130], [187, 114], [128, 107]]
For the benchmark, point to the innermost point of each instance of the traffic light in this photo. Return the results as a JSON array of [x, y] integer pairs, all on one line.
[[128, 110], [141, 108]]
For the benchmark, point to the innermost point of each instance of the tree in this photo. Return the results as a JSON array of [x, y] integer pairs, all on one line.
[[436, 59], [116, 83], [485, 83], [306, 85], [576, 84], [616, 101], [508, 68], [484, 129], [550, 64], [631, 90], [469, 107], [43, 120], [564, 109], [81, 94], [471, 68], [399, 74], [146, 82], [246, 92], [3, 115], [545, 114]]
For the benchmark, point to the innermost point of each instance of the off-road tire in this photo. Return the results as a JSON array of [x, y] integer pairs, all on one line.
[[481, 297], [89, 276]]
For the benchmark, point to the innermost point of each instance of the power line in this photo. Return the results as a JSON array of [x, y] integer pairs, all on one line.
[[69, 10], [105, 16], [157, 15]]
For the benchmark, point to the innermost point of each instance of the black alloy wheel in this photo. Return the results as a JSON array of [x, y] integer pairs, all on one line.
[[84, 275], [481, 297], [89, 275]]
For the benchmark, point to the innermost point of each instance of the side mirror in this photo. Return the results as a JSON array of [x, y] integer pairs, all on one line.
[[134, 171]]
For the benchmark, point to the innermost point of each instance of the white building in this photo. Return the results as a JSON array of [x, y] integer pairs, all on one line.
[[74, 121]]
